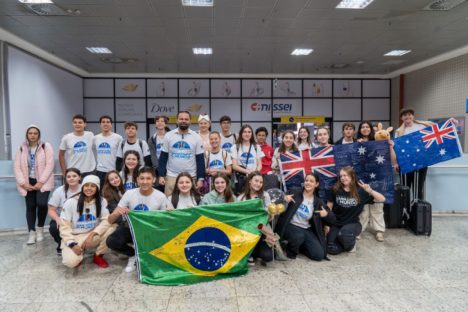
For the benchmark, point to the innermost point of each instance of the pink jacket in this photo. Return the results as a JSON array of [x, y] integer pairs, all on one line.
[[44, 167]]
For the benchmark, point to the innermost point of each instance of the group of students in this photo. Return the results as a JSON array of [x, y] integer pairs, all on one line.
[[106, 176]]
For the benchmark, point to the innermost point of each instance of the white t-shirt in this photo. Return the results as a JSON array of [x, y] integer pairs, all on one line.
[[303, 214], [205, 141], [216, 160], [128, 184], [228, 142], [32, 162], [304, 146], [266, 199], [106, 151], [135, 147], [415, 127], [158, 140], [88, 220], [78, 151], [246, 159], [59, 197], [181, 149], [134, 200], [185, 201]]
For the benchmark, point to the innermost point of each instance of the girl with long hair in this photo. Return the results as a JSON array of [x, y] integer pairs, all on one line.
[[129, 173], [365, 132], [323, 137], [221, 192], [184, 195], [84, 225], [302, 225], [70, 188], [347, 200], [303, 139], [246, 157], [34, 173], [113, 189], [288, 144]]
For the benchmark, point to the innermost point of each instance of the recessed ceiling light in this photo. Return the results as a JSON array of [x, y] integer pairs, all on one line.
[[397, 52], [353, 4], [199, 3], [302, 51], [99, 50], [360, 62], [203, 51], [35, 1]]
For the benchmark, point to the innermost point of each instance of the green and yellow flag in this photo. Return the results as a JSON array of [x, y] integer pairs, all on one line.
[[197, 244]]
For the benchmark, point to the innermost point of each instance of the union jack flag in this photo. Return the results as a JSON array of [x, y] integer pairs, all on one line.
[[417, 150], [437, 135], [295, 166]]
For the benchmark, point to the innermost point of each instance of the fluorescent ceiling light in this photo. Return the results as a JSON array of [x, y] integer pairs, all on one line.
[[199, 3], [397, 52], [302, 51], [99, 50], [35, 1], [203, 51], [353, 4]]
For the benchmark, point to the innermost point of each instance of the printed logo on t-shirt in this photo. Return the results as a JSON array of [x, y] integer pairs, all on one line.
[[346, 202], [216, 164], [141, 207], [86, 221], [158, 149], [104, 148], [80, 147], [303, 212], [130, 186], [181, 150], [227, 146], [243, 159]]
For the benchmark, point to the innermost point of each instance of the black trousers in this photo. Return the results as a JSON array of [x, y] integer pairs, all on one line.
[[84, 174], [55, 232], [342, 238], [421, 180], [262, 251], [36, 204], [303, 240], [102, 177], [120, 239]]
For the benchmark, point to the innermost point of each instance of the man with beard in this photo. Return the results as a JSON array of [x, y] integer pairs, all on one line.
[[182, 150]]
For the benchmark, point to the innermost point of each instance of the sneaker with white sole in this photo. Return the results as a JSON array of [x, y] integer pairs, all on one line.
[[39, 234], [32, 238], [354, 249], [130, 265], [379, 237]]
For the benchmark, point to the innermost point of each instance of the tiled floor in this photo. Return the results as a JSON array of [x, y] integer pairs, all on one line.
[[405, 273]]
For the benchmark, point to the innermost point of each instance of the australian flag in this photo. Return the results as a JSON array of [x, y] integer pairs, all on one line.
[[371, 161], [426, 147], [296, 165]]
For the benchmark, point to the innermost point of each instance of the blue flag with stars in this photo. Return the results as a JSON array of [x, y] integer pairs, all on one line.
[[426, 147], [371, 161]]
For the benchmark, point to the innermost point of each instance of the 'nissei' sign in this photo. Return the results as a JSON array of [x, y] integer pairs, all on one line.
[[266, 107]]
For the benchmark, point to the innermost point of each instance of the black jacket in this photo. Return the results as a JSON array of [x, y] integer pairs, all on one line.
[[340, 141], [316, 222]]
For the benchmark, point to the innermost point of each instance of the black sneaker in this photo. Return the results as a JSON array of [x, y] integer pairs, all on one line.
[[59, 252], [251, 261]]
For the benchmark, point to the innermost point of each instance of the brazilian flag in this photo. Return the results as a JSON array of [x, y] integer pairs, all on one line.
[[197, 244]]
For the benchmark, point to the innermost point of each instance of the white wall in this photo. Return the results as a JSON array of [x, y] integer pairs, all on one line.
[[42, 94]]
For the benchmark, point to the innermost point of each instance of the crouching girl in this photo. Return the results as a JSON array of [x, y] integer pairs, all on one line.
[[302, 225], [84, 225]]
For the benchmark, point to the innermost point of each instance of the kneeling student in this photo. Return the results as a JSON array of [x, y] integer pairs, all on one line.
[[184, 195], [84, 224], [143, 198], [301, 225]]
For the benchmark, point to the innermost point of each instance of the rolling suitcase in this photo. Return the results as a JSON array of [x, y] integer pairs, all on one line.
[[420, 221], [396, 215]]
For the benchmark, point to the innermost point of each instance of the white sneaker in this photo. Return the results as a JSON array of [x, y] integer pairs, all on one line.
[[379, 237], [40, 234], [32, 238], [354, 249], [130, 265]]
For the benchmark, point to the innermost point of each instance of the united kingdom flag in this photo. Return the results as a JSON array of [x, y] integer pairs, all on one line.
[[295, 166], [426, 147]]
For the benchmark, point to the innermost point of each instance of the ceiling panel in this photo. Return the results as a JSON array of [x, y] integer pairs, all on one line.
[[246, 35]]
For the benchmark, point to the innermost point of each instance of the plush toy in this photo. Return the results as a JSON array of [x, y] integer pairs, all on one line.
[[381, 133]]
